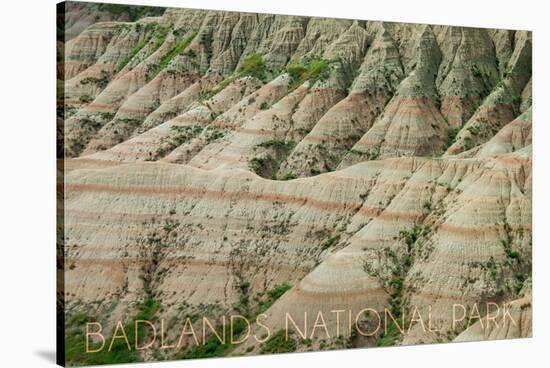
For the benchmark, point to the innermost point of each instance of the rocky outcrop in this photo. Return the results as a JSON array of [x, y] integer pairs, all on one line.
[[213, 157], [516, 323], [503, 103]]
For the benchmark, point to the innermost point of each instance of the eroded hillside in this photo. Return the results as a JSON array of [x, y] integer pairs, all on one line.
[[220, 162]]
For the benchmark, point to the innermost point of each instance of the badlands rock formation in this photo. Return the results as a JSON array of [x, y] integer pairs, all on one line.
[[220, 163]]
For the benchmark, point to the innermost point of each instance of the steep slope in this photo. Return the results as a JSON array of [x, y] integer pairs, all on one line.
[[411, 124], [325, 145], [216, 229], [217, 163], [499, 325], [503, 103]]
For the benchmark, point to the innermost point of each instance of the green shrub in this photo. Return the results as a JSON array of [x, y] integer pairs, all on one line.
[[213, 347], [253, 65], [318, 70], [411, 236], [510, 253], [330, 242], [278, 143], [100, 82], [474, 130], [427, 206], [133, 52], [313, 70], [289, 176], [278, 343], [214, 134], [183, 134], [85, 98], [75, 339], [451, 136], [391, 336], [272, 296], [175, 50], [263, 165], [206, 94], [297, 71]]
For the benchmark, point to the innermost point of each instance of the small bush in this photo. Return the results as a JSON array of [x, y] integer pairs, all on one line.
[[297, 71], [101, 81], [213, 347], [272, 296], [263, 165], [253, 65], [330, 242], [318, 70], [278, 143], [427, 206], [451, 136], [278, 343], [313, 70], [85, 98], [289, 176], [175, 50]]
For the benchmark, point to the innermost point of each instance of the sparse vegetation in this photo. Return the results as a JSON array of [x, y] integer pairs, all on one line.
[[129, 121], [206, 94], [179, 135], [391, 266], [288, 176], [176, 49], [64, 112], [468, 143], [134, 12], [212, 134], [107, 116], [243, 305], [75, 346], [364, 196], [173, 52], [255, 234], [330, 242], [264, 165], [213, 347], [427, 206], [101, 81], [149, 33], [271, 296], [75, 343], [278, 144], [313, 70], [159, 36], [475, 71], [85, 99], [183, 134], [507, 277], [253, 65], [437, 101], [278, 343], [451, 137], [474, 130], [369, 154]]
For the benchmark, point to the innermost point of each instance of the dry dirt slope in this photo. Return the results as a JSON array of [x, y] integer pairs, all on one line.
[[214, 160]]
